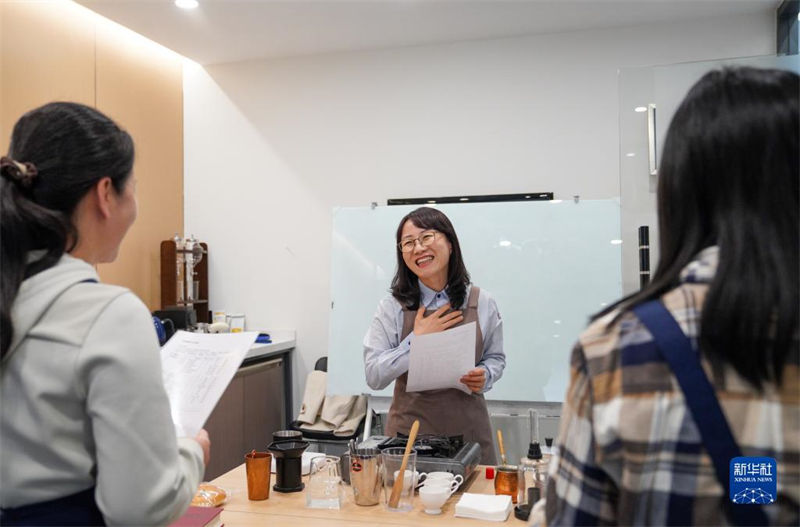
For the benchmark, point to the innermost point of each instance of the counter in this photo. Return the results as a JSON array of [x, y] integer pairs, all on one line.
[[282, 340], [288, 509]]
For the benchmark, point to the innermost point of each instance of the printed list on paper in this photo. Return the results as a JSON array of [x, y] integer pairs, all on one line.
[[439, 360], [197, 367]]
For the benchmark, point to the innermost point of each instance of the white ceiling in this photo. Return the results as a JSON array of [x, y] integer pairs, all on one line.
[[234, 30]]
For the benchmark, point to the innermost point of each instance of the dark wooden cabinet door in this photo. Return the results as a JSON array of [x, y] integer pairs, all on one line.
[[263, 403], [225, 427], [250, 409]]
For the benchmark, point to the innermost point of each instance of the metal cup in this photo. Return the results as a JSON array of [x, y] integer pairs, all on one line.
[[365, 476]]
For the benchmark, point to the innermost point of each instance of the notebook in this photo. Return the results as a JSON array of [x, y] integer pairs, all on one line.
[[199, 517]]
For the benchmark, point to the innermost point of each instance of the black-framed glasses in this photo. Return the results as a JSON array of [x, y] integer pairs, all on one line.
[[425, 239]]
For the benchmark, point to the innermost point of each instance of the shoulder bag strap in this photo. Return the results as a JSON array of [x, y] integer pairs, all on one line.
[[676, 349]]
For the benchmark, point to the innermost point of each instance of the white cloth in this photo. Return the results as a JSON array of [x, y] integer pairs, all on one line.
[[83, 403], [339, 414], [313, 397]]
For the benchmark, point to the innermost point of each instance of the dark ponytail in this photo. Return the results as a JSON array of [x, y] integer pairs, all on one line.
[[58, 152]]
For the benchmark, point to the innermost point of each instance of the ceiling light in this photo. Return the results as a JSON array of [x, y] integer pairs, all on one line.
[[464, 199], [630, 154], [505, 243], [640, 109], [616, 242], [186, 4]]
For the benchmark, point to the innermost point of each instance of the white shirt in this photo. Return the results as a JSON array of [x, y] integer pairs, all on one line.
[[386, 357]]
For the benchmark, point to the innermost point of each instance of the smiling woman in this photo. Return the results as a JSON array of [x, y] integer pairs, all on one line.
[[431, 292]]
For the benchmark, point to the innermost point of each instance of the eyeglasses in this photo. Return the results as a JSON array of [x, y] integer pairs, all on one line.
[[426, 239]]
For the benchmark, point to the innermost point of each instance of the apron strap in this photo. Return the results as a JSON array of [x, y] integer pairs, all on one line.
[[676, 349], [79, 509]]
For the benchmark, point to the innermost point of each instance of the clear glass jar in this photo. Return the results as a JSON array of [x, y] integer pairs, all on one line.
[[532, 474]]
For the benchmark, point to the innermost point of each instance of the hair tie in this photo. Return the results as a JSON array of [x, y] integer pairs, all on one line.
[[23, 174]]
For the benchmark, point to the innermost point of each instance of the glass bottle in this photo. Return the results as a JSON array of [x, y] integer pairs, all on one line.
[[532, 474], [179, 269], [188, 256]]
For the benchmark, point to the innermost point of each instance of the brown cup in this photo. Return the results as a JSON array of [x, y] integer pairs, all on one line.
[[257, 465], [505, 482]]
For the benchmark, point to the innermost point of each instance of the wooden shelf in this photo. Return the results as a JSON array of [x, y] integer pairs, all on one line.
[[169, 285]]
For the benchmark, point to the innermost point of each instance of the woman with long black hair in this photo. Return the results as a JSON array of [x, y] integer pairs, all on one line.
[[671, 384], [85, 426], [431, 292]]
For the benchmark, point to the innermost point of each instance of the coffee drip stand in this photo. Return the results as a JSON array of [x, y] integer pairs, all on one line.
[[184, 278]]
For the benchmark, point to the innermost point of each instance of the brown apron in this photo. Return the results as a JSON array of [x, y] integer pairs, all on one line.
[[448, 411]]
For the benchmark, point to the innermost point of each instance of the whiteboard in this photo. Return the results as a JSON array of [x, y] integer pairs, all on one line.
[[548, 264]]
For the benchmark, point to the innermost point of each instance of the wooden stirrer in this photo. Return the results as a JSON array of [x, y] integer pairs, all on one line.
[[397, 489], [500, 444]]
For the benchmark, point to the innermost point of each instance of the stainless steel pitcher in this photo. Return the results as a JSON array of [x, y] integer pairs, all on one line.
[[365, 476]]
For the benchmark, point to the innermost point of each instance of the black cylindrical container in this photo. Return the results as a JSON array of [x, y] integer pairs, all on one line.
[[281, 436], [288, 465], [644, 256]]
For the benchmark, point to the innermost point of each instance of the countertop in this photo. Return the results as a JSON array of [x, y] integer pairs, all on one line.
[[290, 508], [282, 340]]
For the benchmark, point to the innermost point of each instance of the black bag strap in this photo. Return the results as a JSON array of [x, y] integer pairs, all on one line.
[[676, 348]]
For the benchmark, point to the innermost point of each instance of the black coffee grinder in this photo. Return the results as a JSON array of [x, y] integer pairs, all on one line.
[[288, 465]]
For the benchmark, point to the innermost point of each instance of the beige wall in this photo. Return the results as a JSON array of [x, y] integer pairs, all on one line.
[[62, 51]]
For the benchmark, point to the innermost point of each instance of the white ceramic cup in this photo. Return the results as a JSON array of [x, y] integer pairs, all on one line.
[[450, 486], [407, 480], [442, 476], [434, 496]]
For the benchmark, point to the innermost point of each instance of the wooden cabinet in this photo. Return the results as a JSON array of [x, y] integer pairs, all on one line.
[[247, 414]]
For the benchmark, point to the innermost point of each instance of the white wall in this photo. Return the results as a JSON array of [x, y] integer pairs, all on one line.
[[272, 146]]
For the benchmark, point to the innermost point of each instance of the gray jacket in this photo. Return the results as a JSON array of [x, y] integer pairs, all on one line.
[[83, 403]]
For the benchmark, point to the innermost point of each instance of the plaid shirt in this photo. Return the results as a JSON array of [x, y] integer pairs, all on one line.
[[628, 449]]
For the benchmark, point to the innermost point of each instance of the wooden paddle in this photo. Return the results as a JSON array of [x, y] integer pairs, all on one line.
[[397, 489]]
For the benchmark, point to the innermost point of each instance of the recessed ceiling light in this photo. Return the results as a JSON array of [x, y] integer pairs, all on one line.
[[630, 154], [186, 4], [505, 243], [640, 109], [616, 242]]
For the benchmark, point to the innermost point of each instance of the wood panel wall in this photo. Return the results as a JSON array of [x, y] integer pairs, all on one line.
[[62, 51]]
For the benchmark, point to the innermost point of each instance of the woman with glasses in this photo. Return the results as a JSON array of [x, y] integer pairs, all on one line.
[[431, 292]]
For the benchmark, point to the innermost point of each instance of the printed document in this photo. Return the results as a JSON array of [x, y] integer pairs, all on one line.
[[197, 368], [439, 360]]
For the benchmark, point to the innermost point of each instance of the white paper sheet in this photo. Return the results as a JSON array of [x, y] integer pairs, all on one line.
[[197, 368], [439, 360]]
